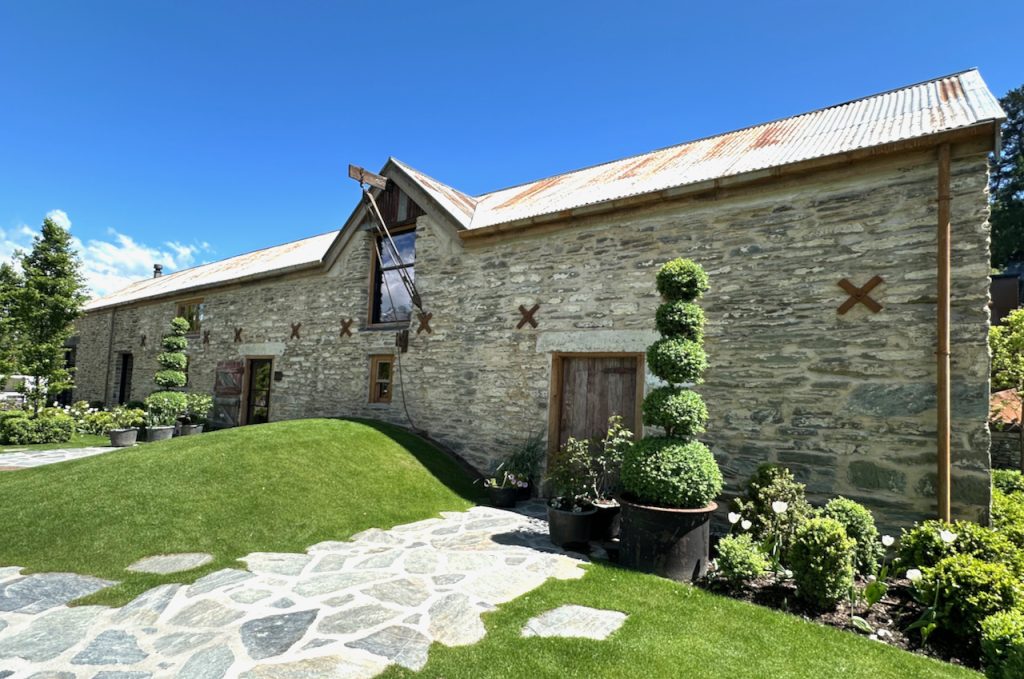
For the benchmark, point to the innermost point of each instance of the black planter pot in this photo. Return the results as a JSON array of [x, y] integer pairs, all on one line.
[[606, 522], [154, 434], [672, 543], [501, 497], [190, 429], [122, 438], [569, 528], [524, 494]]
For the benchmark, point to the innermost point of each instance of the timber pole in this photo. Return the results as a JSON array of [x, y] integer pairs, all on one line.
[[942, 351]]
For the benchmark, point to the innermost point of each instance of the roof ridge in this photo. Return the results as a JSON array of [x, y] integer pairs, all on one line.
[[480, 197]]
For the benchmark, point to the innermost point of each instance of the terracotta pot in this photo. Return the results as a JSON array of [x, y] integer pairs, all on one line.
[[154, 434], [672, 543], [606, 523], [569, 528], [122, 438], [190, 429], [501, 497]]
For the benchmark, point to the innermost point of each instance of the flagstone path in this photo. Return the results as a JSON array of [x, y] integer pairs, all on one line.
[[37, 458], [342, 609]]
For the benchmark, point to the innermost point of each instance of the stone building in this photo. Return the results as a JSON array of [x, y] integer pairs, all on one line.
[[539, 302]]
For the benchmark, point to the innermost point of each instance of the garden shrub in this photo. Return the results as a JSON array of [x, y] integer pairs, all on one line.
[[923, 546], [198, 406], [677, 360], [680, 319], [53, 427], [680, 412], [173, 359], [126, 418], [1002, 644], [1008, 480], [682, 279], [769, 484], [164, 407], [671, 473], [740, 559], [98, 423], [965, 590], [821, 559], [570, 474], [1008, 516], [859, 525], [8, 414]]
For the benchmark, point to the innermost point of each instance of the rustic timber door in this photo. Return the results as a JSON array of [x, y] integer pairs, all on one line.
[[257, 409], [590, 388]]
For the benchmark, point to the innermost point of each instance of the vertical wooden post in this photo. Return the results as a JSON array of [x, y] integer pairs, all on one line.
[[942, 351]]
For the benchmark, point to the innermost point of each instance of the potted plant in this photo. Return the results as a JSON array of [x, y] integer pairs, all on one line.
[[606, 460], [523, 464], [197, 407], [571, 477], [502, 487], [125, 423], [162, 410], [670, 482]]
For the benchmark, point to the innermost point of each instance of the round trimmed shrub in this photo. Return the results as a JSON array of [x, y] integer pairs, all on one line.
[[821, 559], [968, 590], [680, 412], [671, 473], [165, 407], [677, 361], [682, 279], [923, 546], [174, 343], [740, 559], [859, 525], [172, 360], [680, 319], [180, 326], [1002, 644], [772, 483], [169, 379]]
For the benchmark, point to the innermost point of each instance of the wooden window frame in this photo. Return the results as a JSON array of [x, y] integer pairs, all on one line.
[[555, 397], [198, 301], [375, 361], [402, 228]]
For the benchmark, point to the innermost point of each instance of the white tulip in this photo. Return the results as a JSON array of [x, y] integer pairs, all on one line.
[[733, 517], [888, 540], [947, 536], [745, 524], [779, 506], [913, 575]]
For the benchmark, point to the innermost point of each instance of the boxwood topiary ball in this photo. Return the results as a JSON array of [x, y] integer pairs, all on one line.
[[682, 279], [680, 412], [680, 319], [671, 473], [677, 360]]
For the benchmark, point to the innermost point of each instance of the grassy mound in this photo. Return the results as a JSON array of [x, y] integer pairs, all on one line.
[[273, 487]]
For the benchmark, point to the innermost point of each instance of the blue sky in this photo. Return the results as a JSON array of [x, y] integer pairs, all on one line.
[[186, 131]]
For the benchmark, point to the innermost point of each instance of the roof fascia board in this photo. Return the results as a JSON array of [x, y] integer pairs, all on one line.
[[412, 188], [986, 129]]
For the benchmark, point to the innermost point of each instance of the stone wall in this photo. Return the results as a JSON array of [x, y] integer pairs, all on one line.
[[846, 401], [1006, 450]]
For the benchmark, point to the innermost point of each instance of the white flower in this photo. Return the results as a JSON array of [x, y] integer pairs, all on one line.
[[947, 536], [745, 524], [873, 637], [779, 506], [884, 633], [787, 574], [872, 578], [733, 517], [888, 540], [913, 575]]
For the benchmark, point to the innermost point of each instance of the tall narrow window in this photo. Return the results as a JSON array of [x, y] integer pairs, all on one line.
[[192, 311], [391, 301], [381, 378]]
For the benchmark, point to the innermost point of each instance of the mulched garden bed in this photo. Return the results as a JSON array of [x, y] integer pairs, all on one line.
[[894, 613]]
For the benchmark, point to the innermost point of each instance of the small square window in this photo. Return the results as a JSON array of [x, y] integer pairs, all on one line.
[[381, 378], [192, 311]]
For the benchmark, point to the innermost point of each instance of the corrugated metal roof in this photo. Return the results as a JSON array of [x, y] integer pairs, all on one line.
[[459, 205], [307, 251], [948, 103]]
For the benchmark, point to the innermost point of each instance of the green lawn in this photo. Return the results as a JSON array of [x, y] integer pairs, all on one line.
[[673, 632], [77, 441], [273, 487]]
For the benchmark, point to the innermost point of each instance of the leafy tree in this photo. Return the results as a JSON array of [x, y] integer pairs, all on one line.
[[1007, 344], [10, 288], [47, 304], [1006, 185]]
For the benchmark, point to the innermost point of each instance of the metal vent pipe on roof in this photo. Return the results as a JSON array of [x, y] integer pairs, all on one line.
[[158, 270]]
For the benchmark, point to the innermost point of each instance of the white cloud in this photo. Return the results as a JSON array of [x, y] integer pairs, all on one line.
[[112, 263]]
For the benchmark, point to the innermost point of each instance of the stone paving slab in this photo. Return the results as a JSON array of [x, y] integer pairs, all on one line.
[[571, 621], [37, 458], [343, 609], [165, 564]]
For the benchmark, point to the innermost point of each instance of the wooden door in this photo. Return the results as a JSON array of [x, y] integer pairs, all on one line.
[[590, 389], [124, 387]]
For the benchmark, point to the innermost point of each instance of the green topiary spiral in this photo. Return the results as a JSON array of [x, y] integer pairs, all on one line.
[[680, 412], [680, 319], [671, 473], [677, 361], [682, 279]]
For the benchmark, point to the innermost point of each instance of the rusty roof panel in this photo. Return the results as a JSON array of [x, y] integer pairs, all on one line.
[[947, 103]]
